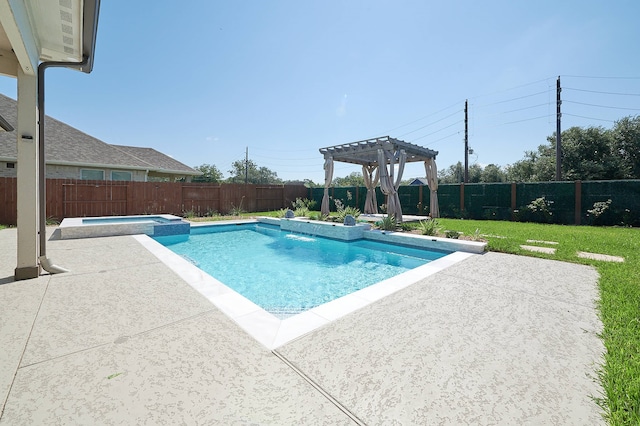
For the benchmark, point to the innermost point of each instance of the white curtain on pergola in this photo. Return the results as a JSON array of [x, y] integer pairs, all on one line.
[[371, 181], [387, 184], [431, 173], [328, 175]]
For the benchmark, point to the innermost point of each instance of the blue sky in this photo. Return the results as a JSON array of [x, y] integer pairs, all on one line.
[[205, 80]]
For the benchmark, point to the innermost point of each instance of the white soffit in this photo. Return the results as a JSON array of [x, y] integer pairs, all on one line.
[[59, 29], [39, 30]]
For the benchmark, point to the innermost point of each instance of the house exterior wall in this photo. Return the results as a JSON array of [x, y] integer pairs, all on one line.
[[55, 171], [6, 170]]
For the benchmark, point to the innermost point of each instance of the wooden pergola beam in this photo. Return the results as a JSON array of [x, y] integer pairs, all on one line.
[[365, 152]]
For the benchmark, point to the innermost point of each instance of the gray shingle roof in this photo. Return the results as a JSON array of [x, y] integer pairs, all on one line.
[[68, 145]]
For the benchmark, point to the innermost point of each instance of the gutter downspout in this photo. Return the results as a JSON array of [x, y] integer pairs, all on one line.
[[46, 264]]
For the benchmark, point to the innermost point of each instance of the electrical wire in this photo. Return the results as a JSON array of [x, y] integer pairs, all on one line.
[[438, 140], [430, 124], [419, 119], [600, 106], [588, 118], [512, 99], [603, 93], [601, 77]]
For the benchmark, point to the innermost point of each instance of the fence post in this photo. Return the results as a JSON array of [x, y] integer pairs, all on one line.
[[514, 206], [420, 199], [461, 197], [578, 203]]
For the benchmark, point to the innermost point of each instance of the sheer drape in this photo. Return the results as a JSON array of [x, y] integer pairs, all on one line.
[[328, 175], [431, 173], [388, 186], [371, 181]]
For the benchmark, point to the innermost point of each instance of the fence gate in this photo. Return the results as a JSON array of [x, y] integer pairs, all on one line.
[[99, 198]]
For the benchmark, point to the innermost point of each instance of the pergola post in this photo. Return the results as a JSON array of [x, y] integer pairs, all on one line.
[[27, 178]]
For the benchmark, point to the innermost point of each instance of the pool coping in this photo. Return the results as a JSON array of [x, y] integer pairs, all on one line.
[[74, 227], [265, 327]]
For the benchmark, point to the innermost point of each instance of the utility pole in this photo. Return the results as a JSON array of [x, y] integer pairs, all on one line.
[[466, 141], [246, 166], [558, 133]]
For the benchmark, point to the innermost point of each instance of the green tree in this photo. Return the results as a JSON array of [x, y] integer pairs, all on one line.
[[353, 179], [455, 173], [452, 174], [536, 166], [626, 144], [210, 173], [587, 154], [249, 171], [492, 173]]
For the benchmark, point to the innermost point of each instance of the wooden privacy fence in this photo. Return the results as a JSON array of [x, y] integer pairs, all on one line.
[[87, 198]]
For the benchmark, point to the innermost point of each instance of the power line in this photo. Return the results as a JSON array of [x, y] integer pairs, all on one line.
[[601, 106], [513, 99], [430, 124], [439, 130], [602, 77], [419, 119], [513, 88], [438, 140], [526, 119], [603, 93], [588, 118]]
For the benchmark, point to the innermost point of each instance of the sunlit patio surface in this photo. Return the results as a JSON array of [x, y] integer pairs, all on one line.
[[121, 339]]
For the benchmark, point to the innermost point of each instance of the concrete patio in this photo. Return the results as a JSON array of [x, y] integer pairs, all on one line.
[[121, 339]]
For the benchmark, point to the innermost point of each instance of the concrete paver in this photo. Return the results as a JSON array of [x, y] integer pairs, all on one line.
[[467, 347], [122, 340], [598, 256], [546, 250]]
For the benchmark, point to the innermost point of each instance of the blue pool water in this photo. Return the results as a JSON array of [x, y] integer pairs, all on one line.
[[287, 273]]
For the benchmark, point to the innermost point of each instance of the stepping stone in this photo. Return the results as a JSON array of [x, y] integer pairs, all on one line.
[[597, 256], [536, 249], [541, 242]]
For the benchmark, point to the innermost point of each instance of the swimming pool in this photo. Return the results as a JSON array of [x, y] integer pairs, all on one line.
[[273, 331], [288, 273]]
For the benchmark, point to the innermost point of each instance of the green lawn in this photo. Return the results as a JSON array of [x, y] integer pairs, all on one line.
[[619, 295]]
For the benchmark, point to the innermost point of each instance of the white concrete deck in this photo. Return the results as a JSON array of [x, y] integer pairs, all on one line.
[[121, 339]]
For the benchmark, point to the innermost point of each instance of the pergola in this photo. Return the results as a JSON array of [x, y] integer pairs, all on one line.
[[378, 157], [35, 35]]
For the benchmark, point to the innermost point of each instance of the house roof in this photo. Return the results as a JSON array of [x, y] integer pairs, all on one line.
[[66, 145], [419, 181]]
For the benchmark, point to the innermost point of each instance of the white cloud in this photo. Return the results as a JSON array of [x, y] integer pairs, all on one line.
[[341, 111]]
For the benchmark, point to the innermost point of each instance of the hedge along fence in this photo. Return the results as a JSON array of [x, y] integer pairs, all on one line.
[[84, 198], [566, 202]]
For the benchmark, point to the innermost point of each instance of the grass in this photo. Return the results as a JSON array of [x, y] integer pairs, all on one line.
[[619, 305]]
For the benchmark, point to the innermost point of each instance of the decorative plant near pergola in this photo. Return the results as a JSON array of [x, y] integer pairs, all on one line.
[[378, 158]]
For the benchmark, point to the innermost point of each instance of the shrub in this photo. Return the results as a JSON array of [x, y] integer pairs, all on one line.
[[388, 223], [429, 227], [343, 211], [303, 203], [600, 213], [538, 210], [452, 234], [301, 212], [237, 211]]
